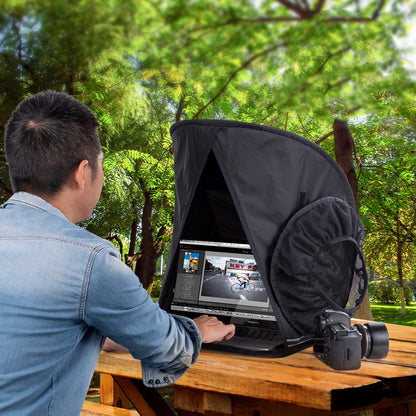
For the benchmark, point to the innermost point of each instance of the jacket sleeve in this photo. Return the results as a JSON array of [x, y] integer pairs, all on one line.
[[116, 304]]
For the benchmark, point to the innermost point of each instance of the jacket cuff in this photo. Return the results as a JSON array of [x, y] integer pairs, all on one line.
[[153, 377]]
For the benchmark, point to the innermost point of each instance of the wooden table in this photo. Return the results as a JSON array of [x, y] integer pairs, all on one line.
[[231, 384]]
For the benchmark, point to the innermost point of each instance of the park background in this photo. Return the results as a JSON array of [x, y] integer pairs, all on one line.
[[307, 66]]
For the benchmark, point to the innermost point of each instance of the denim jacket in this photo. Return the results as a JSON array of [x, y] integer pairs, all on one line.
[[62, 291]]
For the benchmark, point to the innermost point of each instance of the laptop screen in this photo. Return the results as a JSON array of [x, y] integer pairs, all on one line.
[[221, 279]]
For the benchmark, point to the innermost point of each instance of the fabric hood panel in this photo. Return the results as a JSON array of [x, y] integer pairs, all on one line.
[[270, 177], [191, 145], [266, 176]]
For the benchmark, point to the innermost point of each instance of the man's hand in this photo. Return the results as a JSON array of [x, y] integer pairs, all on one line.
[[212, 329]]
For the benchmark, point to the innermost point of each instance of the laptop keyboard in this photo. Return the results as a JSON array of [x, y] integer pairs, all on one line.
[[257, 333]]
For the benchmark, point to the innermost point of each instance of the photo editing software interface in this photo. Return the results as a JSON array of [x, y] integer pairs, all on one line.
[[221, 279]]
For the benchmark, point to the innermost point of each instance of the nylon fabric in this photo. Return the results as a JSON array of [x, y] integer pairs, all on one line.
[[317, 262], [244, 182]]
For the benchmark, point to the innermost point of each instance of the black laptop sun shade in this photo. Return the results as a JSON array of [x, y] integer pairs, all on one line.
[[287, 203]]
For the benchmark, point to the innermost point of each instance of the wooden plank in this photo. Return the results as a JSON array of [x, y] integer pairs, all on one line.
[[257, 377], [97, 409], [188, 399], [406, 408], [191, 402], [107, 389], [396, 332], [138, 401], [119, 364], [123, 364], [401, 332], [217, 403], [299, 379], [399, 379], [401, 359], [287, 369], [111, 394], [404, 346], [147, 401], [270, 380], [373, 368]]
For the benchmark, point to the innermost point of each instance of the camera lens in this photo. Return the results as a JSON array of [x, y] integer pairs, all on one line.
[[374, 340]]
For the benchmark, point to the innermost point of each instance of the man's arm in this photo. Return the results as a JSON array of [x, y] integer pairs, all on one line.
[[210, 328]]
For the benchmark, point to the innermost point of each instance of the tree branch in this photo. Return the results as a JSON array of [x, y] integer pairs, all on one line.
[[302, 14], [319, 6], [377, 11], [118, 239], [236, 20], [330, 56], [303, 126], [324, 137], [336, 84], [245, 65]]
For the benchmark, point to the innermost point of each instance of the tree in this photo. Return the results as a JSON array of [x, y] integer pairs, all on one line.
[[142, 65], [87, 51], [344, 155], [283, 63], [259, 61], [387, 147], [138, 199], [77, 47]]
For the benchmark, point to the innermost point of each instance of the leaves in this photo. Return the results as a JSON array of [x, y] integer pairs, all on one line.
[[387, 146], [141, 65]]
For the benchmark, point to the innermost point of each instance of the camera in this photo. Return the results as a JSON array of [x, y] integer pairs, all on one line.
[[342, 346]]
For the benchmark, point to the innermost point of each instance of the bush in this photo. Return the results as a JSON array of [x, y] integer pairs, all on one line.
[[387, 291], [408, 295]]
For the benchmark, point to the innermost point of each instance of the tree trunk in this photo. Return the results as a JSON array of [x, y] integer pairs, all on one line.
[[131, 256], [400, 269], [344, 147], [146, 264], [133, 235]]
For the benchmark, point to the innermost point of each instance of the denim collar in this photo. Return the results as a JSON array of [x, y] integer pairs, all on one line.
[[33, 201]]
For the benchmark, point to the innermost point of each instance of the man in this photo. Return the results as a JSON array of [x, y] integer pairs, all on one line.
[[244, 280], [63, 289]]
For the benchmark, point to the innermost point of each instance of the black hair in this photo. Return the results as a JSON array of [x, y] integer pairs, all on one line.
[[47, 136]]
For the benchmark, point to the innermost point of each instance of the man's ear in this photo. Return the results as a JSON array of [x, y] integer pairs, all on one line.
[[79, 175]]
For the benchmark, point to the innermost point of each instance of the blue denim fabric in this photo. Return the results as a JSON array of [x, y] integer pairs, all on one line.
[[62, 290]]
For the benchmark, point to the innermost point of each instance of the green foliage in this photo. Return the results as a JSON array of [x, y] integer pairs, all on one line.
[[388, 292], [255, 60], [156, 286], [79, 47], [142, 65], [386, 145]]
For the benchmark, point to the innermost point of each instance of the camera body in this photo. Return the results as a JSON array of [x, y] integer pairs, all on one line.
[[342, 346]]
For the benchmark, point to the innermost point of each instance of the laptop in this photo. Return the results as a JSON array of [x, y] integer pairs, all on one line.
[[221, 279]]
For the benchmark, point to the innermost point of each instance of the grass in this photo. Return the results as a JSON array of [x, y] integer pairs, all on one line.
[[391, 314]]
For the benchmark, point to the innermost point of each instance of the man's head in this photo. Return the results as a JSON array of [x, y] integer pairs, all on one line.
[[47, 137]]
